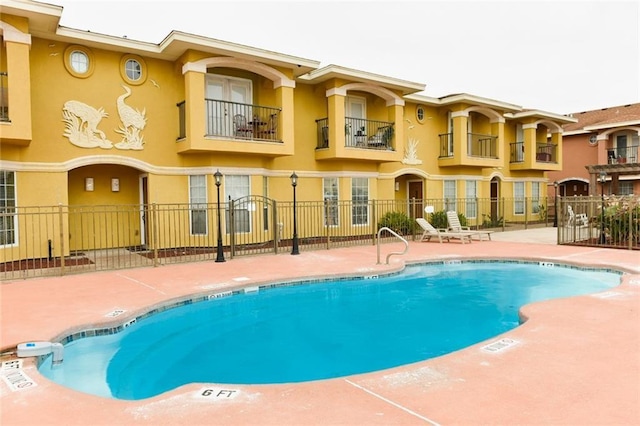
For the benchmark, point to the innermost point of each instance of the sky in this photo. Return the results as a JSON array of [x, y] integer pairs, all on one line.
[[556, 56]]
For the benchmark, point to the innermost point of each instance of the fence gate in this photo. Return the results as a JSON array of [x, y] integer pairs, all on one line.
[[252, 226]]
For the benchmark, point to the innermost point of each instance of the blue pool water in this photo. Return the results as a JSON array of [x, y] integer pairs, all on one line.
[[317, 330]]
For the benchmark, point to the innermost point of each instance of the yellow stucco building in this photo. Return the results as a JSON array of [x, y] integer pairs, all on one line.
[[96, 120]]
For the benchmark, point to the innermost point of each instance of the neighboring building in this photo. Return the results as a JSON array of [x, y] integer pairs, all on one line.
[[90, 119], [604, 140]]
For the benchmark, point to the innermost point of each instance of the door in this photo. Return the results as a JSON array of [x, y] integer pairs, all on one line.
[[495, 199], [226, 97], [355, 120], [415, 199]]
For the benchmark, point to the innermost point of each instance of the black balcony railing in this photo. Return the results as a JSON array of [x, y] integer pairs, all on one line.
[[182, 120], [322, 126], [446, 145], [628, 154], [484, 146], [516, 152], [546, 153], [242, 121], [359, 133], [4, 96], [368, 134]]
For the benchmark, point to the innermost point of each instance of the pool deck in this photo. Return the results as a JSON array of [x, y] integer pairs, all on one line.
[[575, 361]]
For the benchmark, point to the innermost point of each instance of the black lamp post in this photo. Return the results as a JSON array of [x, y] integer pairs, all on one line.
[[555, 204], [220, 254], [603, 180], [294, 183]]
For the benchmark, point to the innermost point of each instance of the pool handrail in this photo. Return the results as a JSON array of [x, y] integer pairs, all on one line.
[[406, 244]]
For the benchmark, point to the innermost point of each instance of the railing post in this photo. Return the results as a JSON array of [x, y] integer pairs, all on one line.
[[156, 230], [275, 227], [232, 229], [374, 221], [61, 225], [504, 221]]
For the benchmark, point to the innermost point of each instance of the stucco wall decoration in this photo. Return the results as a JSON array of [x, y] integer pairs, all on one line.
[[411, 152], [133, 122], [81, 125]]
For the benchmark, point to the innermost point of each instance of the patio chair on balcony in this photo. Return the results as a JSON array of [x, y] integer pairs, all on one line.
[[442, 234], [381, 138], [241, 128], [272, 128]]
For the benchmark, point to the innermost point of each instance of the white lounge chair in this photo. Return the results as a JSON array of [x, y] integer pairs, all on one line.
[[456, 226], [579, 219], [429, 231]]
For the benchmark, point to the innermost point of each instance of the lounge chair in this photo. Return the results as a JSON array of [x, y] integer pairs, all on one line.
[[456, 226], [579, 219], [430, 231]]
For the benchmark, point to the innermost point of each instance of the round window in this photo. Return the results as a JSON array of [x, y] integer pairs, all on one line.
[[420, 113], [133, 69], [79, 61]]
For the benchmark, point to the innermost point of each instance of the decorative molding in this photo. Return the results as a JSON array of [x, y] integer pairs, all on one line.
[[133, 122], [277, 77], [81, 125], [14, 35], [411, 153]]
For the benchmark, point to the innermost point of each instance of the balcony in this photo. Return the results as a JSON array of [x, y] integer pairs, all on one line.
[[232, 127], [545, 157], [363, 140], [622, 155], [481, 150], [359, 133]]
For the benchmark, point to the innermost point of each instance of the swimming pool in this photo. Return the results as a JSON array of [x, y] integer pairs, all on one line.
[[317, 330]]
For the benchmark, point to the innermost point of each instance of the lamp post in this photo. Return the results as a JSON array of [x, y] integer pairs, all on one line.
[[294, 183], [603, 180], [555, 204], [220, 254]]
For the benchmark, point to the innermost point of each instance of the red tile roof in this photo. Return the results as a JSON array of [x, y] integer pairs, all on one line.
[[604, 117]]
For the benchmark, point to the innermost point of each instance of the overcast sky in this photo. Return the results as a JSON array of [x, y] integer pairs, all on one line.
[[556, 56]]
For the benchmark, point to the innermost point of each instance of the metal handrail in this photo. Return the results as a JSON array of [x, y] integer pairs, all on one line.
[[406, 244]]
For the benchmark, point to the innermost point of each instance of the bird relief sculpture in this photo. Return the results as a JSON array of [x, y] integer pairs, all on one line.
[[133, 121], [81, 125], [411, 153]]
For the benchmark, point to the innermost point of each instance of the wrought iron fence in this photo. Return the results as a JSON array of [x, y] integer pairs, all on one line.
[[606, 221], [59, 240], [621, 155]]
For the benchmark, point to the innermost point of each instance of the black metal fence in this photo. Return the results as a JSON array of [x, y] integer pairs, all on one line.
[[59, 240]]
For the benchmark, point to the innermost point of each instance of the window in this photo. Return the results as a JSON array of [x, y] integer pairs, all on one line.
[[449, 195], [237, 188], [133, 69], [420, 113], [518, 198], [471, 210], [330, 196], [78, 60], [198, 204], [625, 188], [360, 201], [535, 197], [8, 218]]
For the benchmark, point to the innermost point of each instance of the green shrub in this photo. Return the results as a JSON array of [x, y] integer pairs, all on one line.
[[398, 222], [439, 219]]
